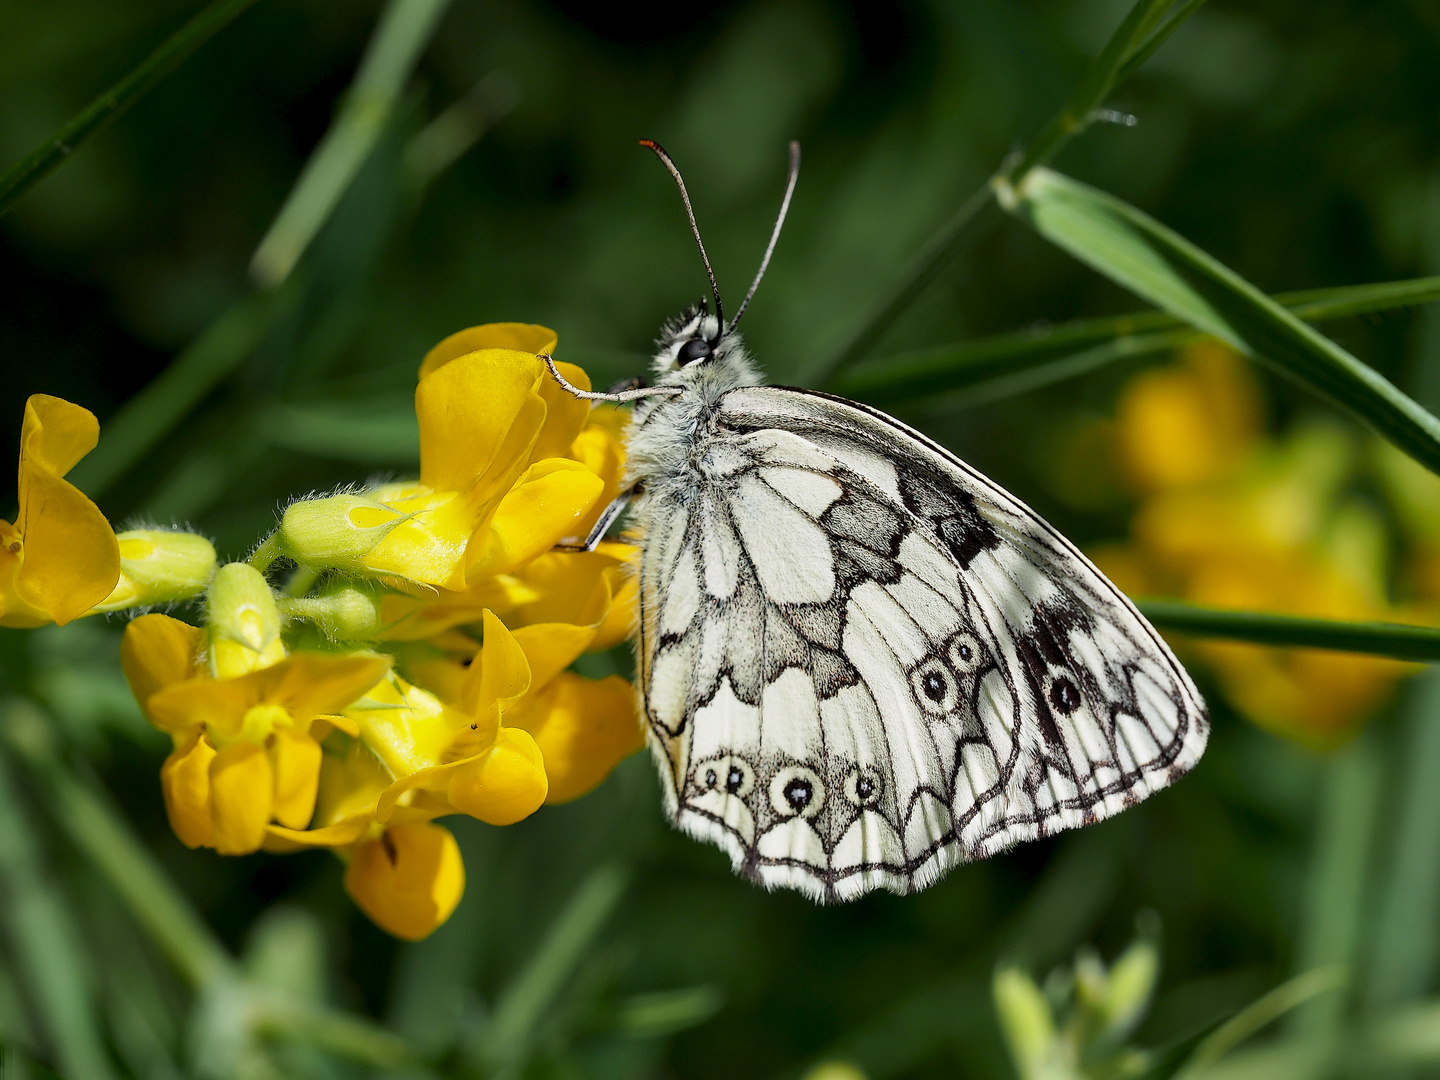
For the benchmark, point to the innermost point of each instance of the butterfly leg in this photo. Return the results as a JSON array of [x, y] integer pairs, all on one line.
[[607, 518]]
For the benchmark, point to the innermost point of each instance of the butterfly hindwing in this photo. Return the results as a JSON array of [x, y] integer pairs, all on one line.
[[864, 663]]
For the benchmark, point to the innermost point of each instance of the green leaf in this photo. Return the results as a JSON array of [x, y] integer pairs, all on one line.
[[1026, 359], [1397, 640], [49, 155], [1154, 262]]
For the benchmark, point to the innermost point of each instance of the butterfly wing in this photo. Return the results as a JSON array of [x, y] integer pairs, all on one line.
[[865, 663]]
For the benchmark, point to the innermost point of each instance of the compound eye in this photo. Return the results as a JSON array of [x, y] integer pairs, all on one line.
[[693, 350]]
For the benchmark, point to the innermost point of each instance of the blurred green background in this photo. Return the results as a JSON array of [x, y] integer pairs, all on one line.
[[1299, 143]]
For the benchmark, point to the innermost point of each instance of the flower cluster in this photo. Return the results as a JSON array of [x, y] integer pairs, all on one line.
[[1232, 518], [391, 654]]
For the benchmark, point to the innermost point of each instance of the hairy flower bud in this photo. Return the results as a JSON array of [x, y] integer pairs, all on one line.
[[158, 566], [244, 622], [335, 532]]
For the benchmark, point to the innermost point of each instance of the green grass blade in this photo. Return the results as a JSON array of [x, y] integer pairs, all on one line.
[[1332, 916], [44, 937], [1396, 640], [1154, 262], [49, 155], [1404, 943], [404, 29], [1003, 365], [524, 1002], [1317, 305], [1146, 48], [100, 834], [1261, 1013], [1103, 75], [155, 411], [1026, 359]]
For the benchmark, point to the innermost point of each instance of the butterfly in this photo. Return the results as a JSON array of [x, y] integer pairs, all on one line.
[[860, 661]]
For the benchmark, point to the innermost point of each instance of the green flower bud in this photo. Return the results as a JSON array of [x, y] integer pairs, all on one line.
[[158, 566], [335, 532], [1128, 988], [343, 611], [1026, 1020], [244, 622]]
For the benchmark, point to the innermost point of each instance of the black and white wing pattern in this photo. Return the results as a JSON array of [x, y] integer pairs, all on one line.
[[864, 663]]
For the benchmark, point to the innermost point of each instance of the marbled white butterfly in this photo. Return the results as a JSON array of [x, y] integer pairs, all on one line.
[[861, 662]]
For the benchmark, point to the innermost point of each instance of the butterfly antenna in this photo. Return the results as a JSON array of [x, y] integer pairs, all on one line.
[[775, 232], [622, 396], [660, 153]]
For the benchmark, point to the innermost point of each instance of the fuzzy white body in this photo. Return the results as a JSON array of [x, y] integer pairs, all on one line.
[[861, 662]]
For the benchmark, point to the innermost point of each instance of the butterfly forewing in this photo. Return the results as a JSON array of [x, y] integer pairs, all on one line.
[[864, 663]]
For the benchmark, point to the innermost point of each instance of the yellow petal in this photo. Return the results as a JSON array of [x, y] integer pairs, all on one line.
[[351, 783], [566, 584], [71, 560], [565, 415], [584, 728], [601, 449], [315, 684], [14, 611], [429, 545], [504, 785], [295, 759], [623, 615], [416, 618], [406, 727], [499, 674], [242, 792], [305, 685], [156, 652], [338, 835], [467, 410], [552, 647], [185, 782], [546, 505], [409, 880], [56, 433], [523, 337]]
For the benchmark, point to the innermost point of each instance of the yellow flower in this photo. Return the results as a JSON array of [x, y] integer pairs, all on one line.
[[245, 752], [496, 486], [60, 557], [1191, 422], [461, 756], [1236, 521], [409, 879]]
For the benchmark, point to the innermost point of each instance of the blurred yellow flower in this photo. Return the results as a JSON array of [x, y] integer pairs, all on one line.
[[1233, 520], [60, 557]]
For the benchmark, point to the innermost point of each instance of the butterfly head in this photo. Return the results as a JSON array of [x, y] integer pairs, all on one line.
[[691, 352]]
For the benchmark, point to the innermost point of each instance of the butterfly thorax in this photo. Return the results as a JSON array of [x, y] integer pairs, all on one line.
[[668, 437]]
